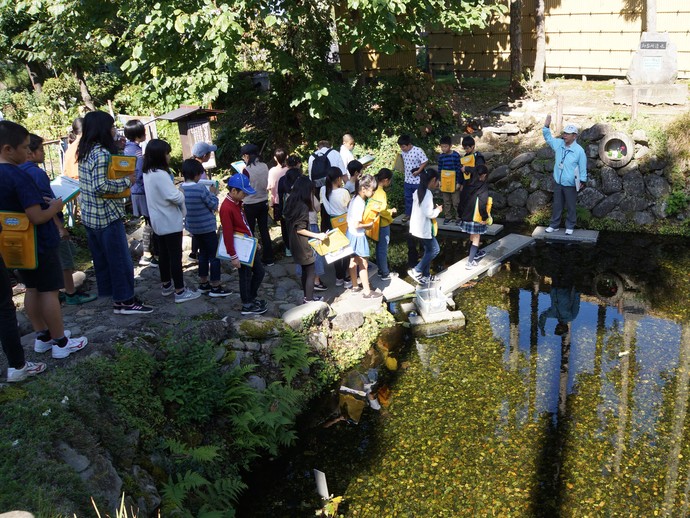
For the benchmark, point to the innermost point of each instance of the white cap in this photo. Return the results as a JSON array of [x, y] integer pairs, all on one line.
[[571, 128]]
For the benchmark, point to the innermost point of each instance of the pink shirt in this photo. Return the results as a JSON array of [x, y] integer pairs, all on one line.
[[274, 175]]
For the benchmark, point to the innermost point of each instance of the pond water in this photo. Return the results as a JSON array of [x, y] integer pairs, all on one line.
[[565, 395]]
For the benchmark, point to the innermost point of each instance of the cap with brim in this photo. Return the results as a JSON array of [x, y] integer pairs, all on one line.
[[202, 149], [241, 182], [249, 149], [570, 128]]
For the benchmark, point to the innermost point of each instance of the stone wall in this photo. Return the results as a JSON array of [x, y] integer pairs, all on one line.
[[636, 192]]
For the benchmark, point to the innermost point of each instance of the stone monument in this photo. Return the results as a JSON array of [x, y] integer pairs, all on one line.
[[652, 72]]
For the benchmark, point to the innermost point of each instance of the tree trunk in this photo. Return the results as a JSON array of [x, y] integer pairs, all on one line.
[[35, 77], [84, 89], [540, 29], [515, 46], [650, 21]]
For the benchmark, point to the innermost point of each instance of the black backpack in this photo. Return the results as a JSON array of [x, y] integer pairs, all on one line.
[[319, 168]]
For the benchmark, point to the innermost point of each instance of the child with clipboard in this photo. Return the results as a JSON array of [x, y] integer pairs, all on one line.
[[233, 221]]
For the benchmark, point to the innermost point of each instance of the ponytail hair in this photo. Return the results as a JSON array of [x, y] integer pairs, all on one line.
[[383, 174], [424, 178], [334, 173]]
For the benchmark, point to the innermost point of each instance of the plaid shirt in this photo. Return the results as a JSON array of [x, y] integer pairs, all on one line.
[[96, 211]]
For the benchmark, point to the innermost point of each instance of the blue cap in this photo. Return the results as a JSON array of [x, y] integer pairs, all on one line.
[[202, 149], [241, 182]]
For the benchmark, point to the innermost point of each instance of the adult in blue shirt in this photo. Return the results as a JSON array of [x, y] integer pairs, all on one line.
[[569, 173]]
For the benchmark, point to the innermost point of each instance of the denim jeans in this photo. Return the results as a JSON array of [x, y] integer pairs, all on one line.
[[112, 261], [409, 189], [382, 250], [250, 280], [9, 332], [431, 250], [208, 246]]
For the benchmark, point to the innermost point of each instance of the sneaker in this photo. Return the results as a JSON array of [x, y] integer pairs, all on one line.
[[269, 263], [43, 347], [145, 261], [471, 265], [73, 345], [414, 274], [167, 289], [288, 253], [186, 295], [568, 231], [551, 229], [219, 291], [320, 286], [135, 308], [79, 298], [458, 222], [447, 221], [405, 218], [373, 295], [205, 287], [339, 282], [261, 303], [29, 369], [193, 256], [253, 309], [154, 262], [314, 299], [374, 404], [389, 276], [428, 280], [347, 284], [480, 254]]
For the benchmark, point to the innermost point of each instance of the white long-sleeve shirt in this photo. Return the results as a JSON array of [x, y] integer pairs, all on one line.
[[165, 202], [422, 214]]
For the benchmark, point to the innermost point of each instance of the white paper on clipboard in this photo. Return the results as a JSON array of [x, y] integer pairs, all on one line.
[[245, 248]]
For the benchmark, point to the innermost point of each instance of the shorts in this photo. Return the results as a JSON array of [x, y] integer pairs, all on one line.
[[48, 276], [66, 251], [359, 244]]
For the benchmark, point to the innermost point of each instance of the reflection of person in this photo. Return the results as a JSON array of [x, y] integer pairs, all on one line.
[[569, 172], [565, 305]]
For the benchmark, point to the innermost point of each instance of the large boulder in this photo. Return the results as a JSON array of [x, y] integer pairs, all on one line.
[[657, 186], [348, 321], [633, 204], [610, 181], [537, 200], [633, 184], [630, 168], [516, 214], [643, 218], [589, 197], [607, 205], [518, 197], [596, 132], [545, 153], [499, 199], [499, 173], [522, 159]]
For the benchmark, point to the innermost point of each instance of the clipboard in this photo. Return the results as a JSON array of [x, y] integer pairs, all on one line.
[[334, 247], [65, 187], [245, 247], [121, 166], [239, 166]]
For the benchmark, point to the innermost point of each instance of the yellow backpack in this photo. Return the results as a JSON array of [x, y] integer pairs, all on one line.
[[121, 166], [18, 241]]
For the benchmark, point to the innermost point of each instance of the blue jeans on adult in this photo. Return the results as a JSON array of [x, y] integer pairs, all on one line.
[[208, 246], [382, 250], [409, 188], [431, 250], [112, 261]]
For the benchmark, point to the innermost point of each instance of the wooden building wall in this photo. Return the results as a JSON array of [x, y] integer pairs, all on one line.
[[583, 37]]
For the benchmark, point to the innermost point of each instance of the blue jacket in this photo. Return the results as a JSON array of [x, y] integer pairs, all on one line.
[[569, 158]]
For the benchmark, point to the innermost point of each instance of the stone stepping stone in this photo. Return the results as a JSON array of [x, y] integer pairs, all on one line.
[[578, 235], [491, 231]]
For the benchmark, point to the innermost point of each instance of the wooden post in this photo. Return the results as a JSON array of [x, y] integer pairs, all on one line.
[[559, 115], [634, 103]]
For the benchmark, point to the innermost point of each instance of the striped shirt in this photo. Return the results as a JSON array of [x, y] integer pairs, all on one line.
[[451, 162], [201, 205], [96, 211]]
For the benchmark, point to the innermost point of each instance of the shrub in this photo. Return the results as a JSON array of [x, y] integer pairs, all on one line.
[[676, 202], [678, 148]]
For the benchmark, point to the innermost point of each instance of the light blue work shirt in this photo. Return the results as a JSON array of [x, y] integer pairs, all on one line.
[[568, 160]]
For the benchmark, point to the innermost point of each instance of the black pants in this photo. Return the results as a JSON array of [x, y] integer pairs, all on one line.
[[258, 213], [308, 276], [9, 332], [250, 280], [170, 260], [278, 218], [150, 238]]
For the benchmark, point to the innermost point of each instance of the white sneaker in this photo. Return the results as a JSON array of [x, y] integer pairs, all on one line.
[[347, 285], [374, 404], [29, 369], [471, 265], [73, 345], [167, 290], [43, 347], [568, 231], [186, 296], [551, 229], [339, 282]]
